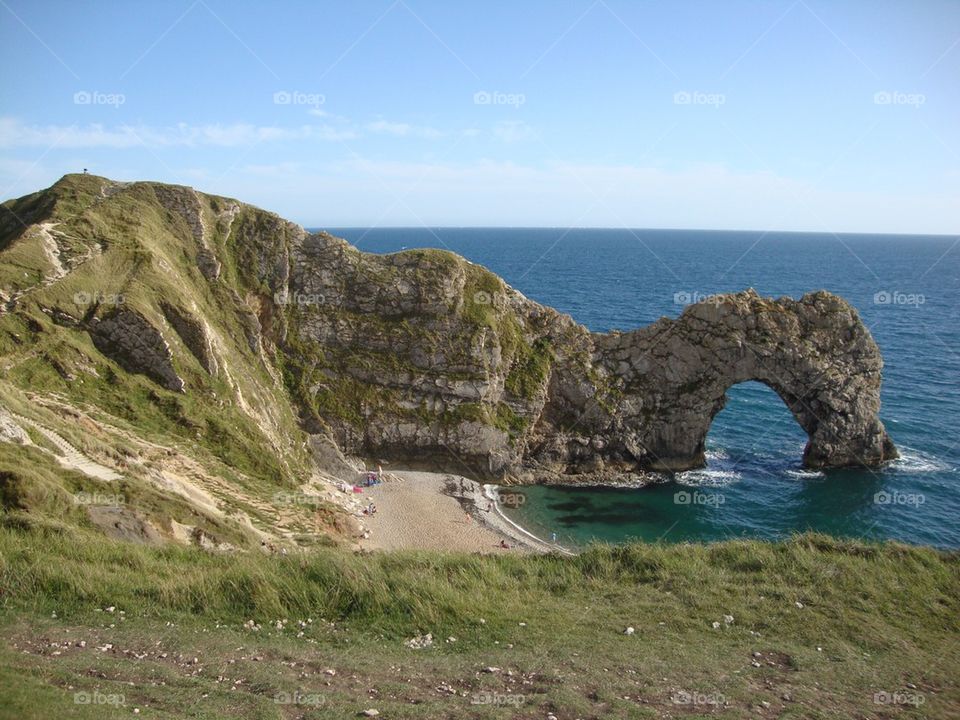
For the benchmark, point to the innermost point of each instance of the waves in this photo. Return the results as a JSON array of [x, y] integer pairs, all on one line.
[[916, 461], [804, 474], [707, 477]]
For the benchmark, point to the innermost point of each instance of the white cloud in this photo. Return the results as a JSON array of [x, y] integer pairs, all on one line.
[[511, 131], [14, 134], [399, 129]]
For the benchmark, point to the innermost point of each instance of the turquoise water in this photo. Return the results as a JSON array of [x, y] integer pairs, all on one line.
[[907, 290]]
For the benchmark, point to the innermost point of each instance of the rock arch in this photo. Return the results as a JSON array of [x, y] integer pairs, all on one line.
[[815, 353]]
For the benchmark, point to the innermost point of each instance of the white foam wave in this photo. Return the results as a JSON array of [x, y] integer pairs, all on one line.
[[805, 474], [707, 478], [716, 454], [914, 461]]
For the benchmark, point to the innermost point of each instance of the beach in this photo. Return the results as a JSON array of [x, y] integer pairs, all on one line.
[[440, 511]]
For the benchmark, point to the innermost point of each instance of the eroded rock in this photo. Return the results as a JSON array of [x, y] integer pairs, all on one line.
[[427, 358], [132, 342], [193, 334]]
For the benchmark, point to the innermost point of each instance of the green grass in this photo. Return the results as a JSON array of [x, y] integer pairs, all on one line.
[[530, 370], [875, 618]]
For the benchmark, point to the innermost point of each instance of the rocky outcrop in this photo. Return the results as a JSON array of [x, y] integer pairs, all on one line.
[[209, 265], [193, 335], [427, 358], [416, 355], [183, 204], [132, 342]]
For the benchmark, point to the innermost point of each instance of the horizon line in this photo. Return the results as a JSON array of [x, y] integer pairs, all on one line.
[[624, 229]]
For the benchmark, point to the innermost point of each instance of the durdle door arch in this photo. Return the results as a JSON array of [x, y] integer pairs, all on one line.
[[815, 353]]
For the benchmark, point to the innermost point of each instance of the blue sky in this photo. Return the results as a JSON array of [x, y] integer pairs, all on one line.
[[791, 115]]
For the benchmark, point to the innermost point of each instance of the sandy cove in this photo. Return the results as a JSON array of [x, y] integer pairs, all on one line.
[[440, 511]]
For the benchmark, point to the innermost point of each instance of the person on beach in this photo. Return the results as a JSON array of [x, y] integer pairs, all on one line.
[[379, 473], [504, 545]]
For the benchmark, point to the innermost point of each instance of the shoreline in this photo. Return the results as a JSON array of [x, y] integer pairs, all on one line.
[[490, 491], [418, 510]]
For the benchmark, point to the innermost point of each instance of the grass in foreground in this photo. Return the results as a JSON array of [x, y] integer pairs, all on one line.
[[821, 628]]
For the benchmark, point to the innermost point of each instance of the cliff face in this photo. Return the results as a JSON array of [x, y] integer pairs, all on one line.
[[422, 356], [425, 356]]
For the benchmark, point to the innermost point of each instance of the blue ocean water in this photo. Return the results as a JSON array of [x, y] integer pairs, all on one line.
[[907, 290]]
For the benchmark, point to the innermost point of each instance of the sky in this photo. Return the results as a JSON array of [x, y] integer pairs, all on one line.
[[802, 115]]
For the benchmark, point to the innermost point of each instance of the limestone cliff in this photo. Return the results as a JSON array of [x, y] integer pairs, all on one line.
[[421, 356], [426, 357]]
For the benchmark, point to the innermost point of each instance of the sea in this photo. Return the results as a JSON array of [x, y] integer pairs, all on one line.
[[907, 291]]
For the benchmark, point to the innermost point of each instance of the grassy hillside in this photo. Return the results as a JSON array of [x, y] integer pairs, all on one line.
[[132, 252], [87, 248], [815, 628]]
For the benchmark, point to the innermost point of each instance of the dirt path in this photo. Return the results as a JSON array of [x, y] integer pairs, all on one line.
[[69, 455]]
